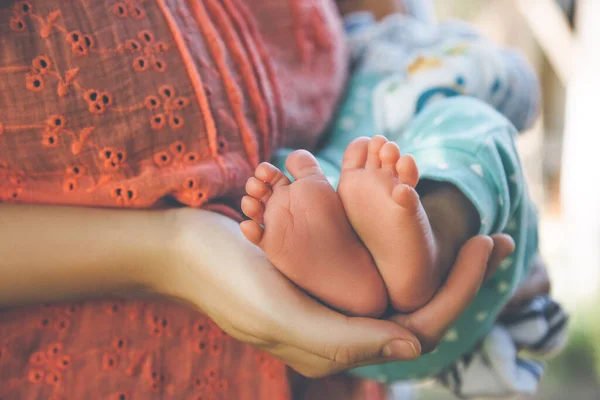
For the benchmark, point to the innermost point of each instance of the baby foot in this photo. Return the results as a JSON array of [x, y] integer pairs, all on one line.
[[307, 236], [377, 188]]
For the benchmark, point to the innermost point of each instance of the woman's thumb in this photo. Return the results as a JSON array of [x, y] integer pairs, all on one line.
[[359, 341]]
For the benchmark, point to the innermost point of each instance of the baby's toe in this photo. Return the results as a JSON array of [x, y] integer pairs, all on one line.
[[253, 209], [389, 155], [375, 145], [406, 197], [271, 175], [407, 170], [355, 156], [258, 189], [301, 164], [252, 231]]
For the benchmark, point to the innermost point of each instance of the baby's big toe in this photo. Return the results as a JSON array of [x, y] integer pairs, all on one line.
[[301, 164], [355, 156]]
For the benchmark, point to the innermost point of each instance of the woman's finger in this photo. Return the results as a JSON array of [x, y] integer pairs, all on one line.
[[348, 341], [504, 246], [349, 350], [312, 366], [306, 364], [431, 322]]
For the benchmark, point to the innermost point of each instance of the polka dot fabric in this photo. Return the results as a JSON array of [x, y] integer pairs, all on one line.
[[121, 104]]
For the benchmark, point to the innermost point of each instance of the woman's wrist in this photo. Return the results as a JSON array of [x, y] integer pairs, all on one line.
[[203, 255], [165, 251], [149, 252]]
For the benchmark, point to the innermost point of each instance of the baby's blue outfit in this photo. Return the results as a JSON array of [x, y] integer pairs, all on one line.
[[452, 100]]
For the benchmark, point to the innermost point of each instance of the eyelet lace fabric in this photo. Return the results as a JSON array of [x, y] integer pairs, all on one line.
[[124, 103]]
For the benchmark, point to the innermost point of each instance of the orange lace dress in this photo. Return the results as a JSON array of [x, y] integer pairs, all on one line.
[[123, 103]]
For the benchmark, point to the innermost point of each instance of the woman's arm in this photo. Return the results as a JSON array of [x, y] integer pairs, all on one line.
[[63, 253], [193, 256], [202, 259], [252, 301]]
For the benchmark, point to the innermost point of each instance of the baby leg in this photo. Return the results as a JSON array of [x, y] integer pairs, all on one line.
[[303, 229]]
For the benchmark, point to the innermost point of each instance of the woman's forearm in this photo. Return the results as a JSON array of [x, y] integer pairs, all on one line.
[[61, 253]]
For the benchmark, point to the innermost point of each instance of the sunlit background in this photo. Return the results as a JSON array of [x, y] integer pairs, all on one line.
[[561, 156]]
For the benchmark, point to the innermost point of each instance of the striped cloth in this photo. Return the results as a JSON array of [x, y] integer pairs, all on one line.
[[508, 361]]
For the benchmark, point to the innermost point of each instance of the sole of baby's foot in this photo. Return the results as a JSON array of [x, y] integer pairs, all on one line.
[[303, 229], [377, 188]]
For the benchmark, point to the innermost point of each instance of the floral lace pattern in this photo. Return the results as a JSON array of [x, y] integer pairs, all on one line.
[[119, 104], [147, 99]]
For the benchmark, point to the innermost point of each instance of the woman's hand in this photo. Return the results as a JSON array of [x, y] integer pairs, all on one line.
[[476, 261], [217, 271], [202, 258]]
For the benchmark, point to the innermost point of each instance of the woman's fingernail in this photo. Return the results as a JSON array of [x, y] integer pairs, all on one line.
[[399, 349]]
